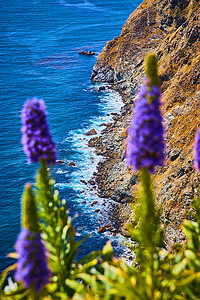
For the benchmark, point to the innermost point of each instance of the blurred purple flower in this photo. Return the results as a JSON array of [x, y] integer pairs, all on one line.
[[197, 151], [32, 268], [36, 137], [145, 145]]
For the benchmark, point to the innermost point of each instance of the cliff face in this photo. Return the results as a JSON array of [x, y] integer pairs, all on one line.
[[147, 27], [170, 28]]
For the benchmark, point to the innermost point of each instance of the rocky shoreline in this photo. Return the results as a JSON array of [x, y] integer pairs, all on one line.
[[112, 180], [170, 29]]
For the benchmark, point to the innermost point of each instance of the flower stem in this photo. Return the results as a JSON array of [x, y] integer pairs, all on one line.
[[147, 206], [33, 294], [148, 223]]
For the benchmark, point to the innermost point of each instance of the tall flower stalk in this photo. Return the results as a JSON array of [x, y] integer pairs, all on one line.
[[197, 151], [146, 151], [145, 145], [55, 225], [36, 137], [32, 266]]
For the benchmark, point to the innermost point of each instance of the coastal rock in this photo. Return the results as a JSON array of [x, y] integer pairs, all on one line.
[[101, 88], [88, 52], [72, 164], [102, 229], [91, 132], [83, 181], [102, 75], [102, 124], [91, 182], [59, 161]]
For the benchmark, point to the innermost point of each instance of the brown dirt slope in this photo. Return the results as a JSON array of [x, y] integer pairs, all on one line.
[[171, 28]]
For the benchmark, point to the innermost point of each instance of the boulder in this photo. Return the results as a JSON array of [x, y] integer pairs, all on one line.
[[91, 132], [86, 52], [102, 229], [61, 162]]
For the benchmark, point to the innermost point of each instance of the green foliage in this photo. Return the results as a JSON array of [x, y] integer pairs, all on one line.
[[147, 230], [155, 273], [57, 232], [29, 216]]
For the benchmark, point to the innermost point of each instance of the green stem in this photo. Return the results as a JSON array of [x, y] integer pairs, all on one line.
[[33, 294], [50, 214], [147, 206], [44, 193], [148, 220], [147, 194]]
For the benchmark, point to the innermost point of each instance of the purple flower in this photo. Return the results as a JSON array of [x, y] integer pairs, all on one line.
[[197, 151], [145, 145], [36, 137], [32, 268]]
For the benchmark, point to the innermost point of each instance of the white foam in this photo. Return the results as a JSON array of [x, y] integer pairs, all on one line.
[[86, 162], [83, 5], [61, 171], [86, 158]]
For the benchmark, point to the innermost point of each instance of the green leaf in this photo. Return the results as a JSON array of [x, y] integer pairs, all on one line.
[[179, 267], [190, 255], [107, 251], [89, 279]]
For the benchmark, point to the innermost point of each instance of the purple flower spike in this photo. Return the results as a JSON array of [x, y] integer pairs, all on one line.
[[145, 145], [197, 151], [32, 268], [36, 137]]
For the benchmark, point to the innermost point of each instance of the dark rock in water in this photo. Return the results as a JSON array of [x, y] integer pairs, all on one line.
[[91, 132], [92, 182], [87, 52], [83, 181], [71, 164], [101, 88], [93, 203], [97, 210], [102, 229], [60, 161]]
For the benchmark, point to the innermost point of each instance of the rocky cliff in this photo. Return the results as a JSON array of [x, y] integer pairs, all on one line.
[[170, 28]]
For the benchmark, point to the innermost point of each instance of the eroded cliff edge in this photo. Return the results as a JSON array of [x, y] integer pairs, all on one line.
[[170, 28]]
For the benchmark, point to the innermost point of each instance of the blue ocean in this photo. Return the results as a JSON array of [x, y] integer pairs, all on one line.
[[40, 42]]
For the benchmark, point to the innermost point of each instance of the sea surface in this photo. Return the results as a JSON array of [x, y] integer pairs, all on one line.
[[39, 45]]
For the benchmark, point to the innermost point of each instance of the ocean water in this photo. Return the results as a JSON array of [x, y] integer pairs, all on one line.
[[39, 45]]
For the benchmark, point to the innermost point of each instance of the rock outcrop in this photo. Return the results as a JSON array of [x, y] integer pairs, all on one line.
[[171, 28]]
